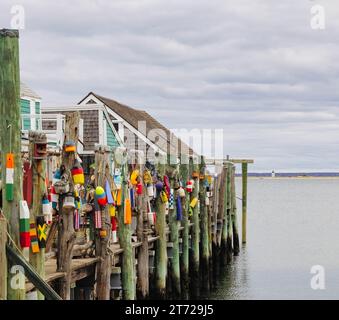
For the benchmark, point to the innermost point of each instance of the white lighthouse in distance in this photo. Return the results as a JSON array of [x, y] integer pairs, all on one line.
[[273, 174]]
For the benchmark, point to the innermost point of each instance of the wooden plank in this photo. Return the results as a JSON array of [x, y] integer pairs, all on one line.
[[32, 275], [241, 160]]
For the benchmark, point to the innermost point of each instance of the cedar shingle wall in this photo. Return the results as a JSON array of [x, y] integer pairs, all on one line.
[[91, 132]]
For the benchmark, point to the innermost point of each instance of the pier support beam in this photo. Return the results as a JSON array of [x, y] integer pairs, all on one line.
[[66, 233], [236, 246], [172, 173], [204, 228], [225, 202], [161, 246], [125, 233], [142, 235], [103, 268], [10, 127], [244, 202], [37, 260], [195, 234], [184, 174]]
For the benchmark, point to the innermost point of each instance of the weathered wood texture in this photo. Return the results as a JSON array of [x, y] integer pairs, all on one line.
[[128, 270], [236, 246], [184, 174], [204, 228], [160, 228], [142, 236], [103, 269], [195, 236], [172, 173], [3, 258], [10, 127], [244, 202], [39, 188], [66, 233]]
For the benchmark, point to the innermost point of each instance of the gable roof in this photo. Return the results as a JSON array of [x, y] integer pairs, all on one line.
[[133, 116], [25, 90]]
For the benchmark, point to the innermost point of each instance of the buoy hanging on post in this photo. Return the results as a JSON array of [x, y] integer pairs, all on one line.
[[46, 209], [78, 173], [42, 232], [127, 212], [179, 208], [24, 225], [34, 238], [100, 195], [9, 176]]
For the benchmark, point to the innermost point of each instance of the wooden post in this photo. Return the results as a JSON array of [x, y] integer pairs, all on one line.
[[125, 239], [244, 202], [215, 246], [204, 227], [236, 246], [39, 189], [229, 205], [66, 233], [3, 258], [103, 268], [142, 235], [184, 173], [10, 127], [161, 249], [225, 201], [195, 236], [172, 173]]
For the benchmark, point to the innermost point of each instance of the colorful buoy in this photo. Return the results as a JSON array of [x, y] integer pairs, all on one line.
[[9, 176], [24, 225], [78, 173], [100, 196]]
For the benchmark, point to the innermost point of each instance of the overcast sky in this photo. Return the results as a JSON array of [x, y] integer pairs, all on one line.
[[255, 68]]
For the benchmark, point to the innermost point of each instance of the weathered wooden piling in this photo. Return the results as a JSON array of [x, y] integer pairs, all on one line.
[[142, 236], [236, 245], [66, 232], [37, 260], [229, 245], [172, 173], [161, 246], [103, 268], [10, 127], [204, 227], [195, 233], [3, 258], [244, 202], [125, 239], [185, 201], [224, 208]]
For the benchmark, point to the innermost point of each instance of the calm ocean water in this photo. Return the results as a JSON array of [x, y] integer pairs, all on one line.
[[293, 224]]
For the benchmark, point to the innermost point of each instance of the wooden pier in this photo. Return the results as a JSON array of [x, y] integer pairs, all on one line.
[[159, 227]]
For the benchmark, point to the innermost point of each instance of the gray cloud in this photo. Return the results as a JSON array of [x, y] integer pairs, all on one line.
[[254, 68]]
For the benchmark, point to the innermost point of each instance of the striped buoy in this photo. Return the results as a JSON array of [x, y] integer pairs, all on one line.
[[25, 241], [46, 209], [171, 199], [42, 231], [189, 186], [9, 176], [54, 198], [78, 173], [100, 195], [34, 238]]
